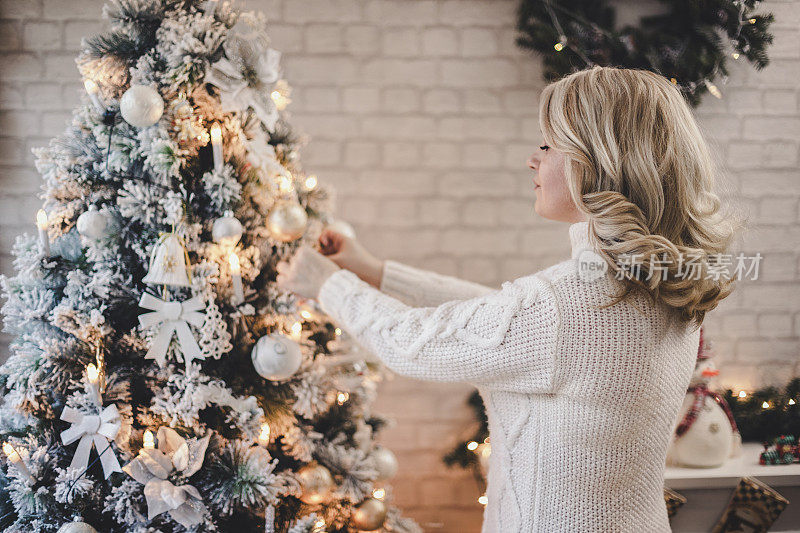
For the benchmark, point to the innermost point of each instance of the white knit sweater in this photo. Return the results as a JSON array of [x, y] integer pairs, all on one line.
[[581, 402]]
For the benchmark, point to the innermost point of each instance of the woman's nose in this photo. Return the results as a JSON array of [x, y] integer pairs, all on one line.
[[533, 163]]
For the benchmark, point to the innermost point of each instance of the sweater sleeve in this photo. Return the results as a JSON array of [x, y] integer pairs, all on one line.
[[424, 288], [503, 340]]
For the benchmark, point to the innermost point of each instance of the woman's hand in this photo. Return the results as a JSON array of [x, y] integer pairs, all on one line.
[[305, 272], [350, 254]]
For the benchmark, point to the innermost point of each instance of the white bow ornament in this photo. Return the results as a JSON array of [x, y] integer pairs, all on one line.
[[99, 430], [173, 317], [246, 71]]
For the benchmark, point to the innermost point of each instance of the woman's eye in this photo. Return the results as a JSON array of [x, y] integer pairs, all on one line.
[[544, 147]]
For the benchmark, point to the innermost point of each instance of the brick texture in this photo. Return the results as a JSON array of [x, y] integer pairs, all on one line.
[[422, 114]]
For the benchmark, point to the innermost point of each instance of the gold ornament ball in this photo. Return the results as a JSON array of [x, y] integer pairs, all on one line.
[[76, 527], [316, 481], [369, 515], [287, 220]]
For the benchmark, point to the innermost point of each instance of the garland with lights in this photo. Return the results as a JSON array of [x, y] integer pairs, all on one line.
[[689, 43]]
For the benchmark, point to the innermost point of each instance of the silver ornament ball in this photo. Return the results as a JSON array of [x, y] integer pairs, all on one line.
[[369, 515], [141, 106], [340, 226], [287, 220], [76, 527], [385, 463], [92, 224], [316, 481], [227, 230], [276, 357]]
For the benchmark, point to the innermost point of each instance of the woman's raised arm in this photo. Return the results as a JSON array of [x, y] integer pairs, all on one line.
[[504, 339]]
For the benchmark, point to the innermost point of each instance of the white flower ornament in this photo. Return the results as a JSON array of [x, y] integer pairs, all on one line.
[[157, 469]]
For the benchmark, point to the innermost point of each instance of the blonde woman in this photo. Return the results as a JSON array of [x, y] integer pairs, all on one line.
[[584, 365]]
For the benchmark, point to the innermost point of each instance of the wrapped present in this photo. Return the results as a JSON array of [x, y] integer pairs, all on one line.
[[754, 507]]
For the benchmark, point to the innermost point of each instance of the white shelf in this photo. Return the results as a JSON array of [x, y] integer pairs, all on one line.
[[732, 470]]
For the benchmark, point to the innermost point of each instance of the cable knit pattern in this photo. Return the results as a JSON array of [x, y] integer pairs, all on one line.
[[581, 401]]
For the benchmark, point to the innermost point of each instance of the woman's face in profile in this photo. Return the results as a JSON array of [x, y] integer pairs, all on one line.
[[550, 186]]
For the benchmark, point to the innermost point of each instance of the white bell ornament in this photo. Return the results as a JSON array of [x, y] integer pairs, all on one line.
[[276, 357], [141, 106], [169, 263]]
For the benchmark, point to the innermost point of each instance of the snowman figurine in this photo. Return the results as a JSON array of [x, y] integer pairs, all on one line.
[[706, 434]]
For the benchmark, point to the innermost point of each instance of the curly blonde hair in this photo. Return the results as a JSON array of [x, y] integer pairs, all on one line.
[[638, 166]]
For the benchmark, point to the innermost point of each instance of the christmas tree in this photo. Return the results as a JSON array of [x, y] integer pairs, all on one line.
[[158, 380]]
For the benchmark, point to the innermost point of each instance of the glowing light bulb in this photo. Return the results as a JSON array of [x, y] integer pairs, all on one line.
[[735, 55], [472, 445], [558, 47], [305, 314], [378, 494], [264, 436], [92, 373], [10, 452], [791, 401], [216, 145], [342, 397], [765, 405], [297, 330], [752, 21], [311, 182], [338, 331], [742, 394], [149, 441], [94, 94], [286, 184], [236, 278], [483, 500]]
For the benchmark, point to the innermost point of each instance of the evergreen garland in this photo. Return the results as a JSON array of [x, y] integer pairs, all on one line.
[[689, 43]]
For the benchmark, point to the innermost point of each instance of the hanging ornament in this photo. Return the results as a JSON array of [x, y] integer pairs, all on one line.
[[316, 482], [215, 340], [276, 357], [340, 226], [168, 263], [287, 220], [92, 224], [76, 527], [174, 459], [227, 230], [99, 430], [369, 515], [172, 317], [141, 106], [385, 463]]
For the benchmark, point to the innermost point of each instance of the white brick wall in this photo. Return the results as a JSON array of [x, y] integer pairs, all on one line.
[[422, 114]]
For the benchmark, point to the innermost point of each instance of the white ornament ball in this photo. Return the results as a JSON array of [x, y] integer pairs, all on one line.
[[76, 527], [92, 224], [141, 106], [316, 481], [340, 226], [369, 515], [385, 463], [287, 220], [227, 230], [276, 357]]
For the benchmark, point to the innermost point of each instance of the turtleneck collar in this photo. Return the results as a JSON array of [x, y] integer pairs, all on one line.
[[579, 238]]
